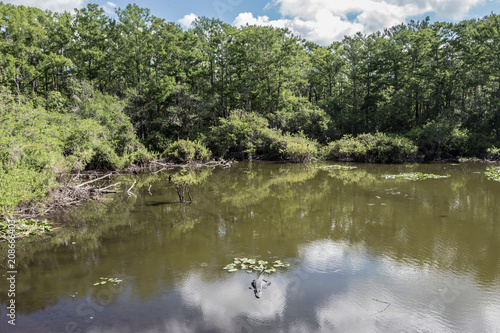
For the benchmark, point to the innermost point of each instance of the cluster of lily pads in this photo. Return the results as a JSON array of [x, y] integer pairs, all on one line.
[[104, 280], [415, 176], [24, 227], [336, 167], [253, 264], [493, 174]]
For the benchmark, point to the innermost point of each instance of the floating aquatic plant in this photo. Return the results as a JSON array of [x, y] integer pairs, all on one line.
[[493, 174], [336, 167], [104, 280], [24, 227], [251, 264], [415, 176]]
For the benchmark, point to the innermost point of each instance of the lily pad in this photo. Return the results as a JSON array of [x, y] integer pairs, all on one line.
[[104, 280], [252, 264], [493, 174], [336, 167], [415, 176]]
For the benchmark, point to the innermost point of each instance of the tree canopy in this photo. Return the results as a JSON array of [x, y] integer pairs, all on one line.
[[178, 84]]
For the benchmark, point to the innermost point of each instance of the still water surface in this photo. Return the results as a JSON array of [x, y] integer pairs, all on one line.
[[366, 254]]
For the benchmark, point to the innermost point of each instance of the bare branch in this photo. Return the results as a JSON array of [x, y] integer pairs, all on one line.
[[128, 191], [94, 180], [102, 189]]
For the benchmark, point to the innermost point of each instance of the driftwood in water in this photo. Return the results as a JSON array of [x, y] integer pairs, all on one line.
[[94, 180], [182, 189]]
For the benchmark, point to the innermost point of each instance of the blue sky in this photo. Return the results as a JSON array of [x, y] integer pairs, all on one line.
[[320, 21]]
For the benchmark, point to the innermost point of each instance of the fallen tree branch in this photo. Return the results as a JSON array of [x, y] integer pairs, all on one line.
[[94, 180], [109, 191], [128, 191], [164, 168], [135, 181], [104, 188]]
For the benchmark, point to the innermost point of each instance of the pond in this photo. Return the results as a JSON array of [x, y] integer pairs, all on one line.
[[366, 254]]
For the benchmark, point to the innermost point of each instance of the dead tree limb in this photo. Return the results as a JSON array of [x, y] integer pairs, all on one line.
[[128, 191], [160, 170], [104, 188], [94, 180]]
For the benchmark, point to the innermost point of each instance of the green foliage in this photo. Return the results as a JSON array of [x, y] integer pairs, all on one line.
[[186, 151], [493, 153], [376, 147], [20, 183], [493, 174], [241, 132], [248, 134], [441, 138], [300, 116], [293, 148], [251, 264], [37, 146]]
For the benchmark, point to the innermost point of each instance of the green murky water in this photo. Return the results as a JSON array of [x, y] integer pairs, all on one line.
[[367, 254]]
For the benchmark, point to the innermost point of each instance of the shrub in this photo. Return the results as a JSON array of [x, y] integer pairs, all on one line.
[[242, 132], [440, 138], [378, 147], [298, 115], [38, 146], [294, 148], [186, 151], [248, 134], [20, 183], [493, 153]]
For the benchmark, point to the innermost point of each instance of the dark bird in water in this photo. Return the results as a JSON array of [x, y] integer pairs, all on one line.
[[259, 284], [169, 178]]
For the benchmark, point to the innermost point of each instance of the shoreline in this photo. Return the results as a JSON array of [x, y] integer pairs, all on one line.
[[71, 194]]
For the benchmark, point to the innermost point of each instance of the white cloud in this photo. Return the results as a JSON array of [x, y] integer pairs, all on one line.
[[323, 29], [52, 5], [187, 20], [109, 7], [225, 302], [325, 21]]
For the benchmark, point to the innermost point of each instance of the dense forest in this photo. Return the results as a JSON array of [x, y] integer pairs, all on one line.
[[84, 90]]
